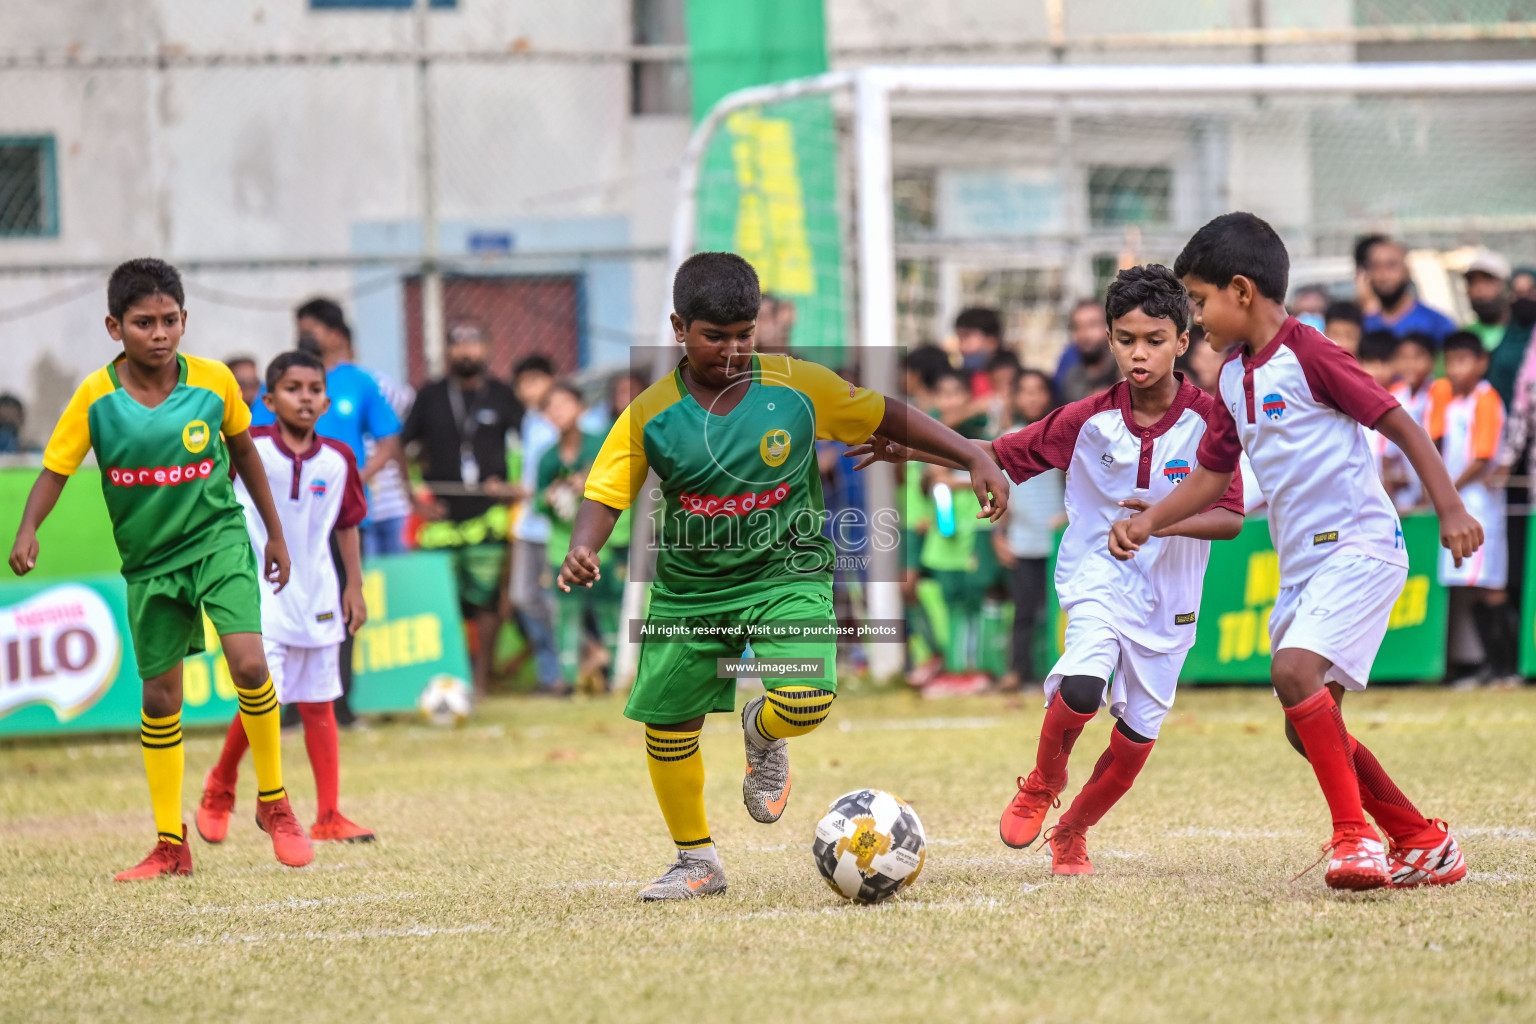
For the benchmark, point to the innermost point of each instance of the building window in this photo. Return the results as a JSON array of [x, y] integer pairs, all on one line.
[[660, 86], [1129, 195], [29, 191], [393, 5]]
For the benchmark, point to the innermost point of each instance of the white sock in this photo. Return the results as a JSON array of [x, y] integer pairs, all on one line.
[[756, 738], [704, 854]]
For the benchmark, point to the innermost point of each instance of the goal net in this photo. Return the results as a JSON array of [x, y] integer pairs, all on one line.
[[877, 204]]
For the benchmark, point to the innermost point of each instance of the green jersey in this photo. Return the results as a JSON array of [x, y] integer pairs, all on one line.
[[164, 471], [741, 505], [553, 467]]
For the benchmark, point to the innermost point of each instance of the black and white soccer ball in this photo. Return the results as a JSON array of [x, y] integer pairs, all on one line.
[[447, 700], [869, 846]]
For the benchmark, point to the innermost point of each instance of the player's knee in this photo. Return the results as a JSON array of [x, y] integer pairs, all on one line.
[[248, 671], [794, 710], [1295, 676], [1132, 734], [162, 695], [1082, 693]]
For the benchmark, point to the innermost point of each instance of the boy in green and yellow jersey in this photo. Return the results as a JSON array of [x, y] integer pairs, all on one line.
[[740, 550], [155, 419]]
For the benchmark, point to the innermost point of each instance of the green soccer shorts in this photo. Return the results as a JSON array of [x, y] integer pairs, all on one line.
[[678, 680], [165, 611], [477, 570]]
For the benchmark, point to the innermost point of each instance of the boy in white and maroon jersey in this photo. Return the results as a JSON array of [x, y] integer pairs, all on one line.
[[317, 489], [1133, 624], [1299, 406]]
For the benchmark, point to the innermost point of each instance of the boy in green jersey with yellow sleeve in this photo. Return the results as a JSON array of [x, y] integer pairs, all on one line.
[[740, 551], [155, 418]]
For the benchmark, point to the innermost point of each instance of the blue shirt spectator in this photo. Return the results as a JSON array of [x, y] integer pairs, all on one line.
[[1419, 319], [1386, 269]]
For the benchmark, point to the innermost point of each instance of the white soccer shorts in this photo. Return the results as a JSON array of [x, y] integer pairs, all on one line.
[[1142, 681], [1340, 612], [304, 675], [1489, 564]]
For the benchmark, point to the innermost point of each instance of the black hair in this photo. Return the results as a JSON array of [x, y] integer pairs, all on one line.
[[328, 312], [1464, 341], [1376, 347], [1043, 377], [927, 361], [6, 398], [1423, 341], [1345, 310], [234, 361], [1002, 359], [1363, 247], [977, 318], [570, 389], [1237, 244], [948, 373], [1152, 289], [139, 279], [716, 287], [287, 361], [533, 364]]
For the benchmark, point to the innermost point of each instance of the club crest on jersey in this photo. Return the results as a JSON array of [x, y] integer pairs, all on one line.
[[1176, 470], [774, 447], [1274, 406], [317, 488], [194, 436]]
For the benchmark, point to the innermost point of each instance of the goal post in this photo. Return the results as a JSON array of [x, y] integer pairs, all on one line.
[[882, 199]]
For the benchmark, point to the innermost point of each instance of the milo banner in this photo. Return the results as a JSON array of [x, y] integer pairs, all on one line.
[[67, 665], [769, 186], [1241, 584]]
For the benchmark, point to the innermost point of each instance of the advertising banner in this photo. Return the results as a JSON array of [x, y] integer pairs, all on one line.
[[67, 664], [1241, 584]]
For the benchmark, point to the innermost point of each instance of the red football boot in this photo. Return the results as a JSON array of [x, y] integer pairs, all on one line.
[[1356, 861], [1432, 860], [289, 843], [167, 858], [1069, 851], [213, 813], [333, 828], [1025, 814]]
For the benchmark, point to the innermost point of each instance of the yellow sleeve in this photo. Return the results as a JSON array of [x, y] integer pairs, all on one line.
[[844, 412], [215, 376], [71, 437], [618, 472]]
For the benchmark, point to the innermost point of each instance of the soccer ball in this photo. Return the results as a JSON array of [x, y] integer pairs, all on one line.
[[869, 846], [445, 701]]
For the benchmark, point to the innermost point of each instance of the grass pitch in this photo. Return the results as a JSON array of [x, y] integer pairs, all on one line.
[[503, 887]]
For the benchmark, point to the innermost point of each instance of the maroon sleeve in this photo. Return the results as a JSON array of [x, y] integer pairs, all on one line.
[[1336, 379], [1233, 499], [1047, 443], [354, 500], [1220, 448]]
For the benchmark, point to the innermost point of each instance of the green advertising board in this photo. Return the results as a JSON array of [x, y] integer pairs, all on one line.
[[67, 664], [768, 186], [1242, 581]]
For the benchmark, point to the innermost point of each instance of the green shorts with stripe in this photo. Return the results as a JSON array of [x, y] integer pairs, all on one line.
[[679, 679], [165, 612]]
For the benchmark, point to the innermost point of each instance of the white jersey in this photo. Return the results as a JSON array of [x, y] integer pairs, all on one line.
[[1297, 410], [315, 491], [1154, 598]]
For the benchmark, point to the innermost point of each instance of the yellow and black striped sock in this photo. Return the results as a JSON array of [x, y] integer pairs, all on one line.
[[677, 774], [259, 715], [165, 762], [791, 711]]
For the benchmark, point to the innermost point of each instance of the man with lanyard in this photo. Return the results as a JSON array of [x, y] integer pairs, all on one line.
[[359, 411], [459, 426]]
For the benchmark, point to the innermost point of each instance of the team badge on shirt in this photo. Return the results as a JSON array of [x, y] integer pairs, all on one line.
[[1176, 470], [1274, 406], [317, 488], [194, 436], [774, 447]]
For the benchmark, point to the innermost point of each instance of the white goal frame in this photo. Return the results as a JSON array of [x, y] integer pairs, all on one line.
[[870, 92]]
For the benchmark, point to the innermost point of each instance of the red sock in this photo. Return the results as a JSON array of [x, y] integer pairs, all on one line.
[[324, 756], [1118, 767], [1058, 732], [235, 746], [1321, 728], [1382, 800]]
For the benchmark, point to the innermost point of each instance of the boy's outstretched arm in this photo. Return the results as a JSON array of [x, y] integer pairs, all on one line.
[[1213, 524], [594, 525], [1199, 491], [45, 493], [247, 462], [1458, 530], [922, 433]]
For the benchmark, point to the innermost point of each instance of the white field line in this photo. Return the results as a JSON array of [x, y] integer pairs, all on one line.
[[598, 883], [1496, 877], [416, 931], [1523, 835], [261, 869], [917, 724], [1195, 832], [298, 904], [890, 906]]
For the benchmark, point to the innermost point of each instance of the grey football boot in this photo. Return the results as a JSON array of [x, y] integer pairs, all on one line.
[[765, 788], [686, 879]]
